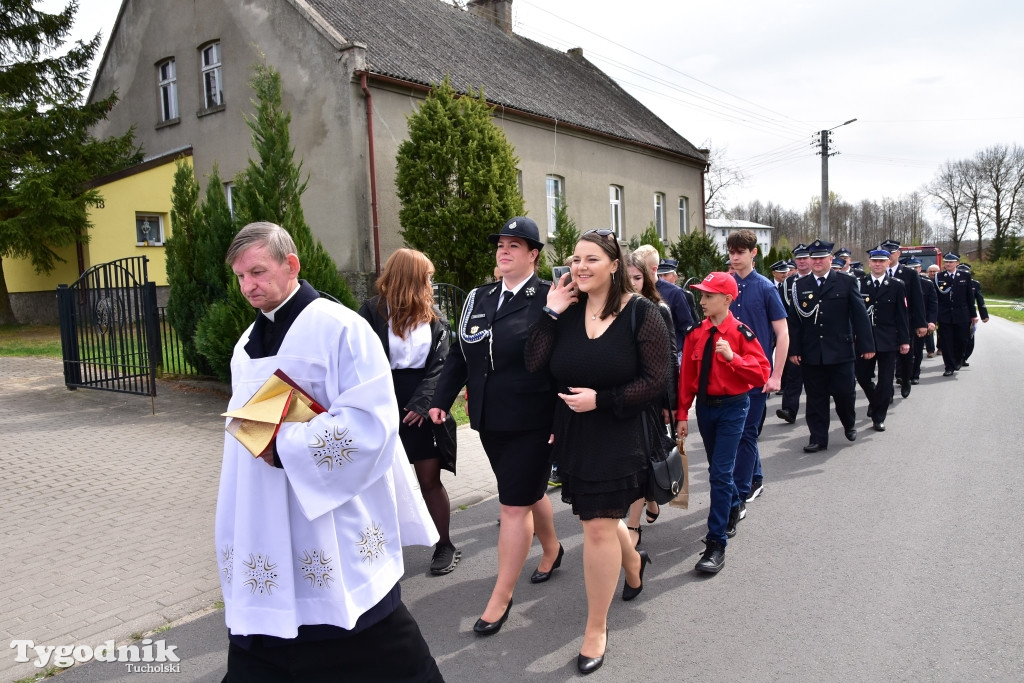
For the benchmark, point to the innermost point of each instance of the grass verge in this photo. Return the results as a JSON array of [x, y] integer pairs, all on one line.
[[30, 340]]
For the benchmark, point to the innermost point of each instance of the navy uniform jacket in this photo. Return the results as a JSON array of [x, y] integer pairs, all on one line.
[[826, 326], [930, 295], [915, 300], [979, 300], [956, 298], [887, 309], [681, 318], [503, 394]]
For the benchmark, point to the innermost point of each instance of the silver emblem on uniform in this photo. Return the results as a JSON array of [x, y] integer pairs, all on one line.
[[810, 296], [530, 291], [474, 329]]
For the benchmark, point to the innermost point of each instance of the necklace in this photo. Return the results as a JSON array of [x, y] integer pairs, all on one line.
[[593, 316]]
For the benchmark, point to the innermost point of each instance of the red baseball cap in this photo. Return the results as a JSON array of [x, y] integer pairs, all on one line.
[[718, 283]]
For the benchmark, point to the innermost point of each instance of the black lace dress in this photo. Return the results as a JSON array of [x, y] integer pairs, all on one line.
[[601, 453]]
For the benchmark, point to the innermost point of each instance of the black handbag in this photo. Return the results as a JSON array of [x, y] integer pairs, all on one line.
[[665, 474]]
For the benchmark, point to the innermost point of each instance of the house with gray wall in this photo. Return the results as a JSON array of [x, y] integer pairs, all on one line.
[[353, 70]]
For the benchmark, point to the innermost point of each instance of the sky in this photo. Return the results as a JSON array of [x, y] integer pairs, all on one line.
[[927, 80]]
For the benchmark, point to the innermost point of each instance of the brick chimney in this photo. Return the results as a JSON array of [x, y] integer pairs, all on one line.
[[498, 12]]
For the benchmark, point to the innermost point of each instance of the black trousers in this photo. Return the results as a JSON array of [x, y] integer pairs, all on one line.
[[917, 347], [824, 381], [391, 650], [879, 394], [953, 338], [792, 387]]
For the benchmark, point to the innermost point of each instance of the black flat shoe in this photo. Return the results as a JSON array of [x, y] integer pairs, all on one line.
[[851, 434], [588, 665], [652, 517], [814, 447], [787, 415], [540, 577], [489, 628], [628, 592], [878, 426], [639, 534]]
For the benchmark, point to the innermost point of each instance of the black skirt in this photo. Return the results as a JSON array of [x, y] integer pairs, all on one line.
[[521, 462], [422, 442]]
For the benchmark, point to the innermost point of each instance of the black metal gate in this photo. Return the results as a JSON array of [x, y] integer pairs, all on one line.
[[109, 328]]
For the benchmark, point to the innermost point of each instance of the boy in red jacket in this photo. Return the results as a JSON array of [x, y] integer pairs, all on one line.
[[722, 361]]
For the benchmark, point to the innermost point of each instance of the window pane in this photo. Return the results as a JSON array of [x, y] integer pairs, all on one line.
[[554, 194], [147, 229]]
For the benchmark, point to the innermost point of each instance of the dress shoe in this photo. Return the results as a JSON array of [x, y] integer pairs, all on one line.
[[905, 389], [878, 426], [915, 382], [947, 373], [540, 577], [785, 414], [851, 434], [814, 447], [628, 592], [489, 628], [713, 559], [588, 665], [965, 364]]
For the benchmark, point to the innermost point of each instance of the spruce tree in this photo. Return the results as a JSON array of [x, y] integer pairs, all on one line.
[[48, 154], [457, 183], [697, 255], [648, 236], [563, 242], [185, 303], [271, 186]]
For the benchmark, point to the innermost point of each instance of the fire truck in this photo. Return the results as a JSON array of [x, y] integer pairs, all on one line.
[[927, 255]]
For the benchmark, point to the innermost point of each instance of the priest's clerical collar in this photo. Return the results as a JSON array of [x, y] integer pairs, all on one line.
[[284, 303]]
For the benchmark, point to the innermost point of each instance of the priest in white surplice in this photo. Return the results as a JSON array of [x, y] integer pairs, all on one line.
[[310, 534]]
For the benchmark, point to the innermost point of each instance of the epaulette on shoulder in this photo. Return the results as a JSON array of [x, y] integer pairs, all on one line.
[[746, 331], [692, 327]]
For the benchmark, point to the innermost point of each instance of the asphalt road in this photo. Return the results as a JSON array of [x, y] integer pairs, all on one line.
[[895, 558]]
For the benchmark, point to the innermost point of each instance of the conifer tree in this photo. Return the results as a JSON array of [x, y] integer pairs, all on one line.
[[195, 252], [271, 186], [457, 183], [697, 255], [48, 154], [563, 242]]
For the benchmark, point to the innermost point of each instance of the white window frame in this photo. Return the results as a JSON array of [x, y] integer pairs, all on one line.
[[659, 214], [554, 187], [210, 60], [154, 220], [615, 197], [684, 216], [167, 83]]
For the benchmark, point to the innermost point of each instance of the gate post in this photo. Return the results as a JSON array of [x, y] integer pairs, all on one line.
[[69, 337], [152, 322]]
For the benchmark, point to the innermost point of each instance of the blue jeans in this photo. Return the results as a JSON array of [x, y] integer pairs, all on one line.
[[747, 456], [721, 428]]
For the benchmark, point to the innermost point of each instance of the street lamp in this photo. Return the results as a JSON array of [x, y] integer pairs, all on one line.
[[824, 177]]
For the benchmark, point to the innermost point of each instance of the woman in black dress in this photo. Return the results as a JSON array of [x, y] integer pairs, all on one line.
[[665, 405], [510, 407], [416, 339], [607, 349]]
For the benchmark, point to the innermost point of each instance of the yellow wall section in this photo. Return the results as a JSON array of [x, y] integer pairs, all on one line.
[[112, 235]]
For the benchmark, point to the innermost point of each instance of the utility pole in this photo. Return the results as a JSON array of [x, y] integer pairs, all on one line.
[[825, 154]]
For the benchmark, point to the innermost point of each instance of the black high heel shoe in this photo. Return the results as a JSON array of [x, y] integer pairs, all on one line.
[[588, 665], [539, 576], [489, 628], [628, 592], [652, 517]]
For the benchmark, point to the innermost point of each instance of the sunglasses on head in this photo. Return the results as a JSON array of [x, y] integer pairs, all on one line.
[[603, 232]]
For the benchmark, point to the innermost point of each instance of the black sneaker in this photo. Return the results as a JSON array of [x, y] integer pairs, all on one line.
[[445, 559], [713, 559], [735, 515], [756, 488]]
